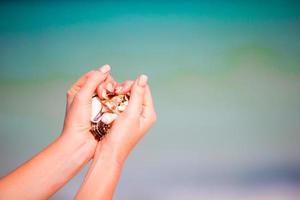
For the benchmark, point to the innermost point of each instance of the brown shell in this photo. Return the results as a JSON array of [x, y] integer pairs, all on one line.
[[100, 129]]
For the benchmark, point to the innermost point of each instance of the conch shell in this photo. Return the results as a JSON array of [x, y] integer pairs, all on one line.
[[105, 112]]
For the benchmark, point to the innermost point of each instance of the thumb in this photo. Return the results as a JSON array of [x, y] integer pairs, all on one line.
[[135, 105]]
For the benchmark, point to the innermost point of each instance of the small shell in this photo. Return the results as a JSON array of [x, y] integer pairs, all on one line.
[[96, 109], [122, 107], [105, 109], [99, 130], [111, 105], [108, 118]]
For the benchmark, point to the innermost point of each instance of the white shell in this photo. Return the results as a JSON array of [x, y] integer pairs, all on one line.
[[96, 109], [122, 107], [108, 118]]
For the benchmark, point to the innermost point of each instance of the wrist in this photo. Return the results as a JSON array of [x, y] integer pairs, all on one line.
[[110, 154], [77, 142], [105, 171]]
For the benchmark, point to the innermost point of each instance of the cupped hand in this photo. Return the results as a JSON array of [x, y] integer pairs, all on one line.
[[78, 109], [134, 122], [128, 128]]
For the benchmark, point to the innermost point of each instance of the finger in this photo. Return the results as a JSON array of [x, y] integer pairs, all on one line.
[[135, 105], [88, 89], [113, 82], [125, 87], [148, 115], [101, 91], [76, 87], [110, 84], [107, 87], [148, 106]]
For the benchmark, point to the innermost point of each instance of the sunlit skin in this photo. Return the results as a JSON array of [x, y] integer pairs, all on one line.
[[53, 167]]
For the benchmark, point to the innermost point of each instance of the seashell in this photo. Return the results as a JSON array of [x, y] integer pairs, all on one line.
[[122, 107], [105, 109], [100, 129], [108, 118], [105, 112], [117, 104], [96, 109]]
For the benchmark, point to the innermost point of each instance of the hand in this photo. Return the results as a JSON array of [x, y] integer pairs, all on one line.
[[134, 122], [78, 110], [105, 170], [61, 160]]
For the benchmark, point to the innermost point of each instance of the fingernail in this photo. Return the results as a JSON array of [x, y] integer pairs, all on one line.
[[142, 80], [105, 68], [118, 89]]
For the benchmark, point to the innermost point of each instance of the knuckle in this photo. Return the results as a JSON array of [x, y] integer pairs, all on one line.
[[138, 94], [69, 94], [129, 83], [97, 73], [79, 97], [92, 73]]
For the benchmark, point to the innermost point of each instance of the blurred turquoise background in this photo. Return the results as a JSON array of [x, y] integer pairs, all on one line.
[[225, 77]]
